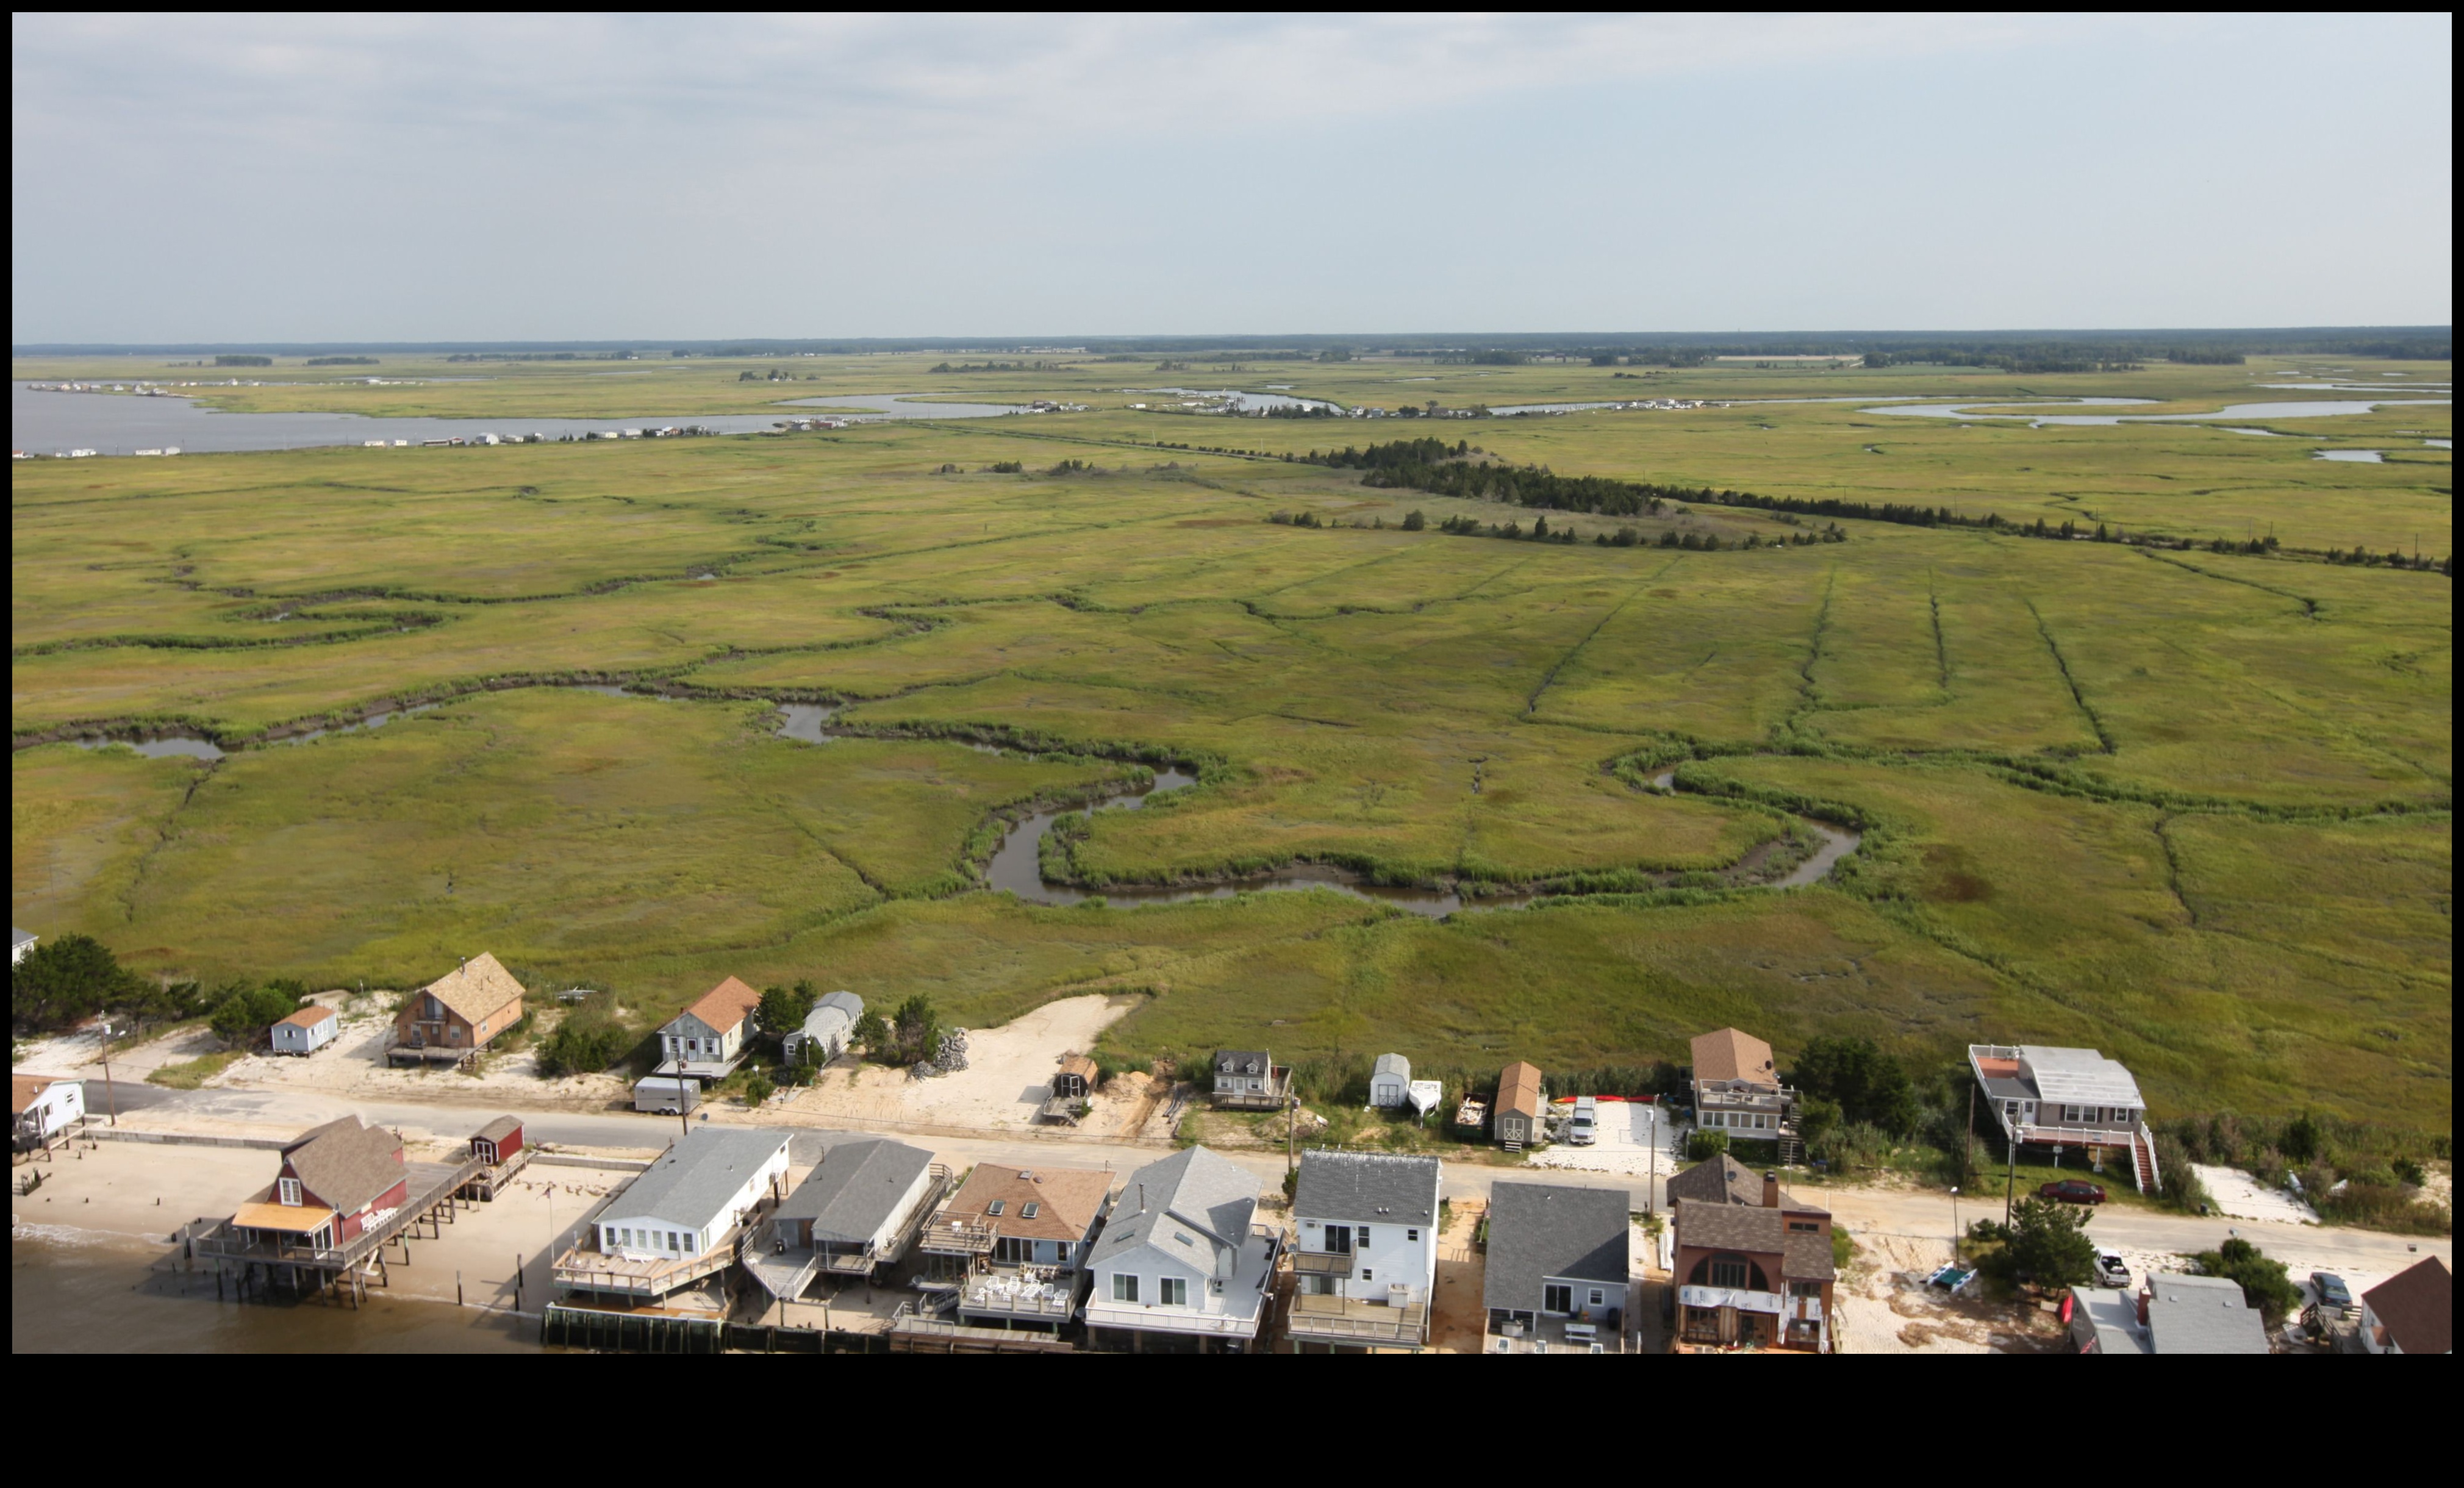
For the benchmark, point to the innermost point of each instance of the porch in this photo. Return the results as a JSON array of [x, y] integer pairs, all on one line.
[[1348, 1322], [1712, 1318]]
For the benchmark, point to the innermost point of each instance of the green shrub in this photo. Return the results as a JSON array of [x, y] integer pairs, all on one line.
[[2263, 1282], [1703, 1145], [593, 1037]]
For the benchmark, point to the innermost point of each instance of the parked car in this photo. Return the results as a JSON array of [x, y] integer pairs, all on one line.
[[1584, 1128], [2071, 1191], [2110, 1271], [2331, 1289]]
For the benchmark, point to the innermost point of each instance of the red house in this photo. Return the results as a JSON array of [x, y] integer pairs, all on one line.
[[336, 1180], [498, 1141]]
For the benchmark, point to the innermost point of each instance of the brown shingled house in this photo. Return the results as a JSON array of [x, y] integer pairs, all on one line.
[[458, 1013], [1032, 1226], [1737, 1091], [1752, 1274]]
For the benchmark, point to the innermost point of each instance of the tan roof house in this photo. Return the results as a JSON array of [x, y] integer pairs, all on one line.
[[708, 1040], [1520, 1103], [460, 1011], [1737, 1090]]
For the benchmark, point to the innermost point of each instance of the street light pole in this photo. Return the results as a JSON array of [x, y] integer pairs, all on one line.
[[109, 1095], [1954, 1224]]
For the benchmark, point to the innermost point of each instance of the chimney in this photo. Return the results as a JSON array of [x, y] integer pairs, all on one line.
[[2143, 1309], [1771, 1191], [1142, 1198]]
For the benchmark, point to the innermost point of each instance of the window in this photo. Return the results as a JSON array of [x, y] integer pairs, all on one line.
[[1413, 1236], [1598, 1296], [1173, 1292], [2070, 1114], [1124, 1288], [290, 1190], [1811, 1289], [1727, 1271], [692, 1243], [995, 1208], [1556, 1298], [675, 1241], [1029, 1210], [1364, 1236], [1368, 1275]]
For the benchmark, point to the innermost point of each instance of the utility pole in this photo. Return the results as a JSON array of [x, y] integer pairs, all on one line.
[[1968, 1152], [110, 1097]]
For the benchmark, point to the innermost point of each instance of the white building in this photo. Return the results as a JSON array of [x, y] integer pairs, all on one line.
[[306, 1031], [1182, 1267], [1390, 1081], [41, 1107], [689, 1201], [827, 1030], [19, 943], [1365, 1251]]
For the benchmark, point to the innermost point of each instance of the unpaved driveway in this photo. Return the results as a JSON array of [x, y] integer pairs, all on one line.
[[2239, 1195], [1008, 1074]]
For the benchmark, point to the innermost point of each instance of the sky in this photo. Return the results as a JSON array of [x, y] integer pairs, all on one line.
[[284, 178]]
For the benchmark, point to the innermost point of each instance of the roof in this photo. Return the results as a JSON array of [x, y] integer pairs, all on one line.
[[2080, 1077], [2113, 1317], [476, 989], [348, 1165], [499, 1129], [1080, 1065], [1518, 1089], [829, 1017], [289, 1218], [846, 1002], [2416, 1307], [1394, 1064], [1066, 1200], [1542, 1230], [1360, 1187], [1194, 1198], [1733, 1054], [1755, 1231], [725, 1005], [338, 1124], [1718, 1180], [693, 1182], [24, 1091], [18, 937], [2201, 1315], [309, 1017], [856, 1189], [1238, 1062]]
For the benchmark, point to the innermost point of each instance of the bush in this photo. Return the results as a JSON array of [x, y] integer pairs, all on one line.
[[65, 980], [2263, 1284], [757, 1089], [1868, 1085], [592, 1037], [2046, 1244], [243, 1014], [1704, 1146]]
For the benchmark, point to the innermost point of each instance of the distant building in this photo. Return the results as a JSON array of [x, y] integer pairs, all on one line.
[[1737, 1091], [1249, 1079], [706, 1041], [1390, 1081], [306, 1031], [460, 1011], [41, 1107], [19, 943], [2047, 1096], [827, 1030]]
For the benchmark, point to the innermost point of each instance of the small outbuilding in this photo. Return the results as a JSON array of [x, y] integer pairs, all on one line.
[[1390, 1081], [498, 1141], [1519, 1103], [306, 1031], [826, 1030]]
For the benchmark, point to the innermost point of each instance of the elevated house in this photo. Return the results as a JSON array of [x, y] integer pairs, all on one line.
[[306, 1031], [826, 1030], [2411, 1312], [707, 1040], [857, 1211], [2051, 1097], [1364, 1254], [336, 1180], [458, 1014], [1737, 1091], [41, 1107], [1013, 1243], [1390, 1081], [1754, 1276], [1559, 1262], [1182, 1265], [679, 1221], [1249, 1079], [1518, 1119]]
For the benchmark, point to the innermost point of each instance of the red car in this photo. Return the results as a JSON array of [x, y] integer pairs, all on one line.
[[2071, 1191]]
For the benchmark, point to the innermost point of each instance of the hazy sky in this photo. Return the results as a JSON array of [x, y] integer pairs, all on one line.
[[199, 177]]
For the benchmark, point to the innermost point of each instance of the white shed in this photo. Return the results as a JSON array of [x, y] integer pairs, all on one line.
[[306, 1031], [1390, 1080], [827, 1030]]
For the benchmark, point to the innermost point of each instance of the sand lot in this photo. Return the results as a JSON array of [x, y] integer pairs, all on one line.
[[2237, 1193], [1008, 1074], [1884, 1307]]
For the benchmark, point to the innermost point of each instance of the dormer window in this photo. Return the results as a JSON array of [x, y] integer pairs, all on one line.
[[287, 1189]]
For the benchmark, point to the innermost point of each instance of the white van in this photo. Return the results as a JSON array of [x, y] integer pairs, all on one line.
[[1584, 1128]]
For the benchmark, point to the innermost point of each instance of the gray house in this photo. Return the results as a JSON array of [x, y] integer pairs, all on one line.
[[862, 1207], [1182, 1265], [1249, 1079], [827, 1030], [1557, 1268]]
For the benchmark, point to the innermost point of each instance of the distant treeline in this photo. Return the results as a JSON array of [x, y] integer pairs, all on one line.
[[341, 361], [243, 361], [999, 367]]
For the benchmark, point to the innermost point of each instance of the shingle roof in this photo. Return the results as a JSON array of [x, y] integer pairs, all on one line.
[[1194, 1193], [309, 1017], [476, 989], [499, 1129], [856, 1189], [2417, 1307], [2201, 1315], [698, 1176], [348, 1165], [725, 1005], [1731, 1054], [1067, 1199], [1239, 1061], [1718, 1180], [18, 937], [846, 1002], [1541, 1230], [1365, 1187], [25, 1090], [1518, 1090], [1755, 1231], [829, 1017]]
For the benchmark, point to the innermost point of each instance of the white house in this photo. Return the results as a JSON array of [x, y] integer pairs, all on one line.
[[2412, 1312], [1182, 1267], [1390, 1081], [19, 943], [306, 1031], [827, 1030], [707, 1039], [40, 1106], [691, 1199], [1365, 1252]]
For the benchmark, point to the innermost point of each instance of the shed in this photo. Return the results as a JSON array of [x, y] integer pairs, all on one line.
[[1077, 1077], [827, 1030], [1390, 1080], [666, 1094], [1519, 1104], [499, 1140], [306, 1031]]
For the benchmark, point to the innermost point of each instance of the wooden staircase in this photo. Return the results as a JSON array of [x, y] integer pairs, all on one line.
[[2143, 1158]]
